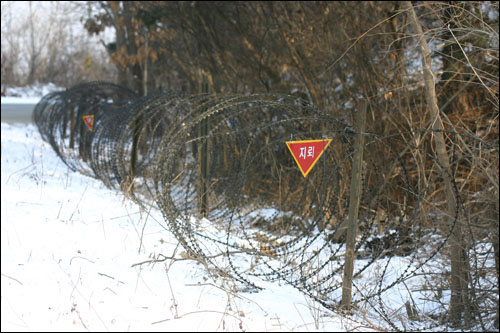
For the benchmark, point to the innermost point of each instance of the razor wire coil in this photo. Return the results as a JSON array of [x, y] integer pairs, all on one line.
[[176, 151]]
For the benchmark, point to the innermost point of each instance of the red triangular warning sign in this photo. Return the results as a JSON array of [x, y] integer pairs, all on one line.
[[89, 121], [307, 152]]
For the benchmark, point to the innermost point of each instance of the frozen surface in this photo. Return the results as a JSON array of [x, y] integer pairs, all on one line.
[[68, 247], [29, 94]]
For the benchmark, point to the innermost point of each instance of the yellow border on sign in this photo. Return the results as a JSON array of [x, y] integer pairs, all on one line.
[[317, 158], [90, 127]]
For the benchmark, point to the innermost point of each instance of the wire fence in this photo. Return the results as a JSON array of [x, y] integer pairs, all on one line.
[[222, 161]]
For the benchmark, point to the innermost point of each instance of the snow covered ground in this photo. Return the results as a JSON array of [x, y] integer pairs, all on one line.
[[68, 245], [29, 94], [71, 254]]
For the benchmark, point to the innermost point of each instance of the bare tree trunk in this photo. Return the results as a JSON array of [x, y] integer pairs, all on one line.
[[136, 75], [34, 52], [145, 74], [120, 42], [458, 283]]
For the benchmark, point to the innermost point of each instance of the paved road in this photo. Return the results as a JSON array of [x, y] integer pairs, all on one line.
[[17, 113]]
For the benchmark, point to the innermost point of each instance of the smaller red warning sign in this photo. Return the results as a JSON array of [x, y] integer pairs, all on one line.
[[307, 152], [89, 121]]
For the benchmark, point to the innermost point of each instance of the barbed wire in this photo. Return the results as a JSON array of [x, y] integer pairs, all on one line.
[[210, 162]]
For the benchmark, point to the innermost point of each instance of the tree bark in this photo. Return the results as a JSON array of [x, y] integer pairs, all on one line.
[[458, 283], [120, 41], [136, 75]]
